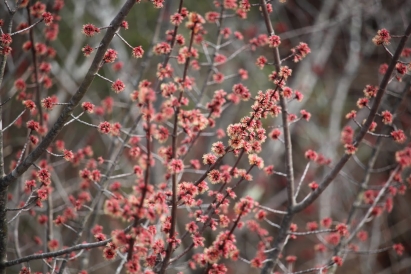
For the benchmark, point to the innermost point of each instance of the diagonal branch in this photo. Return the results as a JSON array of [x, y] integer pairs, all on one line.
[[74, 101], [360, 136]]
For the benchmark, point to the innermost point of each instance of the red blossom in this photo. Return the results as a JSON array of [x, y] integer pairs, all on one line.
[[291, 259], [226, 32], [110, 56], [383, 69], [162, 48], [138, 52], [163, 73], [362, 235], [48, 18], [401, 68], [275, 134], [68, 155], [212, 16], [337, 260], [214, 176], [109, 252], [29, 104], [87, 50], [33, 125], [333, 238], [25, 270], [320, 248], [406, 52], [88, 107], [37, 9], [244, 206], [274, 41], [342, 229], [350, 149], [238, 35], [218, 77], [300, 51], [5, 50], [20, 85], [254, 160], [313, 185], [118, 86], [209, 159], [347, 135], [90, 30], [41, 48], [383, 37], [305, 115], [285, 72], [48, 103], [312, 226], [362, 102], [311, 155], [398, 136], [53, 244], [175, 166], [351, 115], [261, 61], [269, 169], [220, 59], [104, 127], [124, 24], [218, 149], [158, 3], [27, 46], [326, 222], [117, 66], [34, 140], [399, 249], [377, 211], [45, 67], [44, 176], [5, 39], [242, 91], [176, 19], [387, 117]]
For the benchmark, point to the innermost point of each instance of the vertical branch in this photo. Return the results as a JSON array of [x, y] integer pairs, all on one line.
[[218, 43], [49, 224], [173, 41], [279, 244], [3, 222], [35, 67], [4, 188], [169, 250], [146, 182], [286, 222], [284, 112]]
